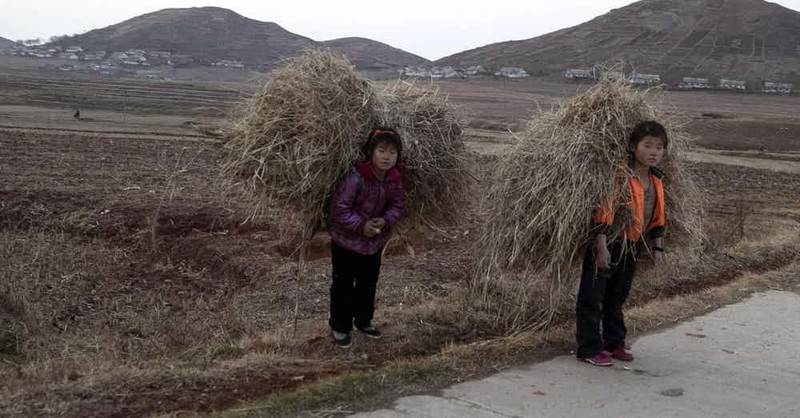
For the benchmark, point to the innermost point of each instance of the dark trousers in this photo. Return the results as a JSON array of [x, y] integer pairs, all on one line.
[[355, 277], [600, 299]]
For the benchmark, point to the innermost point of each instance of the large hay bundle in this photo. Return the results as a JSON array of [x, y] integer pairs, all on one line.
[[301, 132], [434, 149], [304, 130], [539, 204]]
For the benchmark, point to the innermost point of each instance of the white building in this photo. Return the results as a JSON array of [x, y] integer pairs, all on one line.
[[773, 87], [119, 56], [160, 54], [689, 83], [475, 70], [228, 64], [98, 56], [728, 84], [450, 72], [577, 74], [512, 72], [416, 72], [645, 79]]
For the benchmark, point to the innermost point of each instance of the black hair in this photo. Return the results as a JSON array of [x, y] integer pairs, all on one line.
[[644, 129], [383, 136]]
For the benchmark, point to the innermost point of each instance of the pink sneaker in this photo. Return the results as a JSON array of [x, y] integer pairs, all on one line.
[[622, 353], [602, 359]]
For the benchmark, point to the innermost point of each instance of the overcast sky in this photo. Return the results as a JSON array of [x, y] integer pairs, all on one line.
[[430, 28]]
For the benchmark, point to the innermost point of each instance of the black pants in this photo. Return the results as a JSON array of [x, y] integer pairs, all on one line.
[[355, 277], [600, 299]]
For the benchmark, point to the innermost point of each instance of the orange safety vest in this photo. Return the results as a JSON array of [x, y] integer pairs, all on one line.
[[604, 217]]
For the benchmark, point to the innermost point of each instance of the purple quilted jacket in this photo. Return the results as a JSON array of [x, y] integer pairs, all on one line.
[[360, 197]]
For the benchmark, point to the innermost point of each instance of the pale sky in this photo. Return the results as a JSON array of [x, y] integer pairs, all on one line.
[[429, 28]]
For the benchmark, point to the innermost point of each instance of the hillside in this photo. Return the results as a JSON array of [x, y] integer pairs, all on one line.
[[745, 39], [204, 32], [369, 54], [6, 43], [212, 33]]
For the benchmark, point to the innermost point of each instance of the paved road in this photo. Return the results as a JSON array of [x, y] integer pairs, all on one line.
[[739, 361]]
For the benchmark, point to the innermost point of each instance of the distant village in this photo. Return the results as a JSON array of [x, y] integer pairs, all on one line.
[[576, 74], [693, 83], [141, 63], [137, 62], [452, 72]]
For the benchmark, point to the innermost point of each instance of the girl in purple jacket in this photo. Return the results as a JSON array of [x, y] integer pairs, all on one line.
[[365, 207]]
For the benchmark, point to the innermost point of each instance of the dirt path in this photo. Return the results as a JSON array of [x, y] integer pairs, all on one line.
[[780, 162], [757, 162]]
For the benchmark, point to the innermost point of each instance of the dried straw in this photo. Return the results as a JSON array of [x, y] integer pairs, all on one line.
[[434, 150], [304, 130], [539, 204], [301, 132]]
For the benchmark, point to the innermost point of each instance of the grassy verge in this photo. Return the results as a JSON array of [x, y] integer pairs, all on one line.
[[358, 390], [364, 391]]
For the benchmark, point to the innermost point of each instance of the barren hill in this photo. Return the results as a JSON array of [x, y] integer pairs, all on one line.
[[213, 33], [369, 54], [747, 39], [202, 32], [6, 43]]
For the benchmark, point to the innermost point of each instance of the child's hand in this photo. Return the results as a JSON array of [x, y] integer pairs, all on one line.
[[371, 228], [603, 258], [380, 223]]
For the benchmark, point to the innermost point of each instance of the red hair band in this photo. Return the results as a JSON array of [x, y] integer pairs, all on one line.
[[378, 132]]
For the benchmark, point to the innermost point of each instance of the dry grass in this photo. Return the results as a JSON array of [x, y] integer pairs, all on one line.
[[301, 133], [305, 128], [456, 363], [74, 306], [434, 153], [205, 321], [540, 200]]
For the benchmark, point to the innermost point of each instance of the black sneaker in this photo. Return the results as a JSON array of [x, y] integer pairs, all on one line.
[[371, 332], [341, 342]]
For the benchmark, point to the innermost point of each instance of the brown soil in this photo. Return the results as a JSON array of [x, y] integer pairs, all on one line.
[[150, 291]]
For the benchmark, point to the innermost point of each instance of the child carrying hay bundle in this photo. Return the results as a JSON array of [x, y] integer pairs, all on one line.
[[608, 267], [540, 203], [304, 129], [302, 136], [301, 133], [365, 207]]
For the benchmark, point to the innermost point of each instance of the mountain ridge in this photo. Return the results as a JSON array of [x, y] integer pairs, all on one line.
[[214, 33], [746, 39]]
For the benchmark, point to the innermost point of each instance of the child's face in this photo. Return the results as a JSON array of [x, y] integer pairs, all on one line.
[[649, 151], [384, 157]]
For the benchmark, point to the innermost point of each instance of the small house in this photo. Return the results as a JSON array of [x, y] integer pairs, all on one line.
[[777, 88], [449, 72], [512, 72], [645, 79], [729, 84], [577, 74], [475, 70], [694, 83]]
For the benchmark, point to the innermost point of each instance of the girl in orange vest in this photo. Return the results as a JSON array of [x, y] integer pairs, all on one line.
[[608, 267]]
